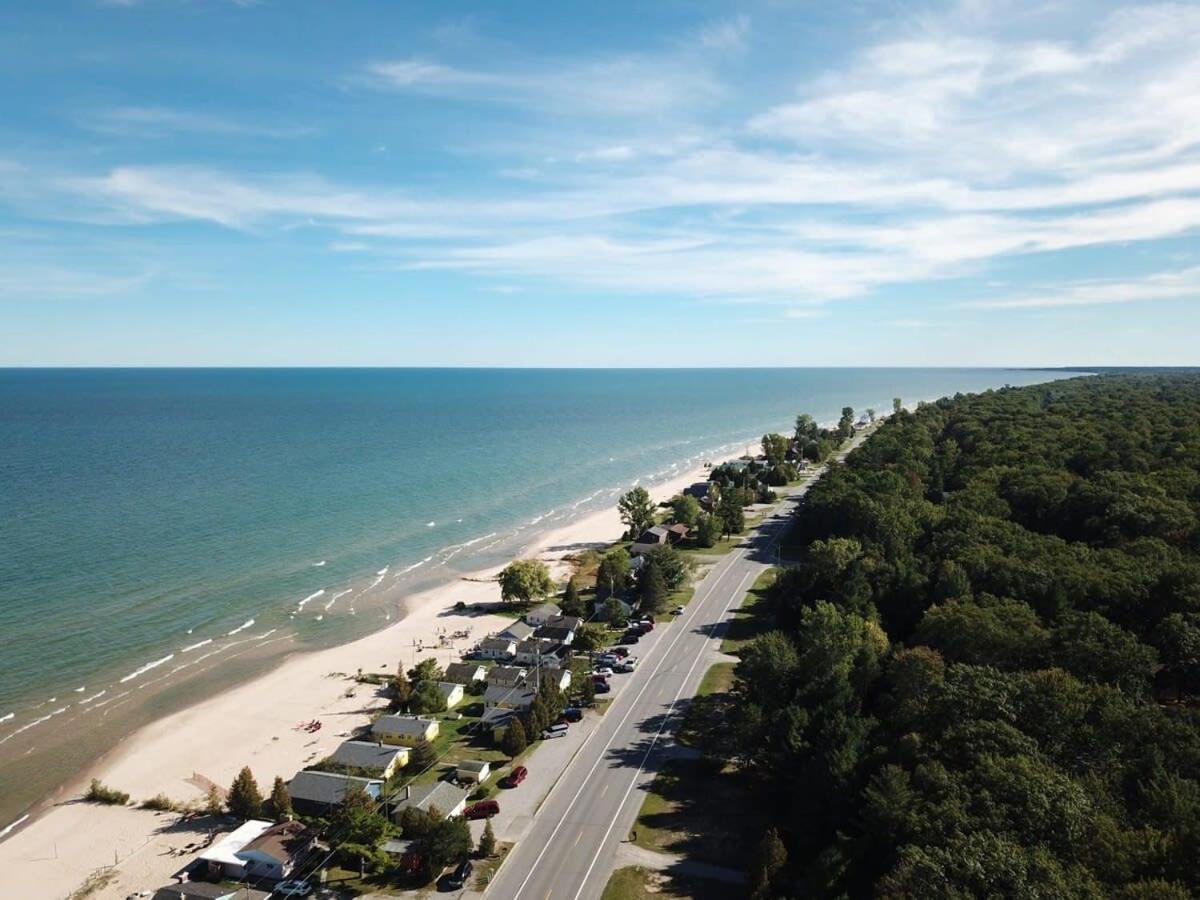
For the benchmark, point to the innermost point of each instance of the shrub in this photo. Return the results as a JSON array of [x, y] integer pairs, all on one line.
[[100, 793], [158, 803]]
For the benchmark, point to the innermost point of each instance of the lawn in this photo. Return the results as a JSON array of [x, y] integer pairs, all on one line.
[[750, 619], [717, 680], [636, 883], [692, 811], [458, 740]]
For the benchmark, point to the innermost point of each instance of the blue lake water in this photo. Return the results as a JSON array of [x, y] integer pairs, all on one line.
[[143, 511]]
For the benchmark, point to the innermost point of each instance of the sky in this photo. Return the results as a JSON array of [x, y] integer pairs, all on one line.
[[307, 182]]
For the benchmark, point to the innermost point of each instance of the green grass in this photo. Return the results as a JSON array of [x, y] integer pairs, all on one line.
[[460, 739], [637, 883], [750, 619], [485, 869], [692, 811], [717, 680]]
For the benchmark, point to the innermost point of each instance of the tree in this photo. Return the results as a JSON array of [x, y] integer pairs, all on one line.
[[673, 564], [1177, 638], [637, 511], [652, 587], [871, 414], [771, 858], [281, 800], [214, 804], [614, 572], [587, 691], [423, 756], [806, 428], [487, 840], [361, 827], [572, 603], [427, 698], [709, 530], [775, 448], [845, 427], [897, 406], [400, 689], [614, 613], [447, 842], [525, 580], [685, 509], [426, 670], [514, 741], [244, 800], [733, 518], [589, 637]]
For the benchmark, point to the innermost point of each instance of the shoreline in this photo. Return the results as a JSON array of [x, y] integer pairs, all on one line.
[[210, 740]]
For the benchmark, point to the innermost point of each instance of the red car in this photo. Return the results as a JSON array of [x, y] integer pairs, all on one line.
[[619, 651], [484, 809], [515, 777]]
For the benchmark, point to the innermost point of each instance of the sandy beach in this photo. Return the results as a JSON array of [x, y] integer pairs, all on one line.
[[255, 724]]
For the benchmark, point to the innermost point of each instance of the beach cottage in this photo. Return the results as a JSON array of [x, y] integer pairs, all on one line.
[[497, 648], [318, 793], [441, 795], [508, 698], [451, 692], [506, 676], [465, 673], [406, 730], [206, 890], [373, 757], [541, 613], [517, 631], [475, 771], [259, 849]]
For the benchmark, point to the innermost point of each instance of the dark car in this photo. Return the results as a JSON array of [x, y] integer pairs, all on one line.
[[602, 687], [573, 714], [516, 776], [619, 651], [484, 809], [458, 878]]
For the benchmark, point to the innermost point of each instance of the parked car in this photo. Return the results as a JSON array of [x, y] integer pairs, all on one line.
[[550, 735], [602, 687], [515, 777], [293, 889], [559, 726], [607, 659], [677, 611], [601, 672], [458, 878], [630, 637], [573, 714], [484, 809], [620, 651], [626, 666]]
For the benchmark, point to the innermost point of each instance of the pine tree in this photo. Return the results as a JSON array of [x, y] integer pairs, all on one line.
[[772, 857], [245, 801], [515, 740], [213, 804], [572, 603], [401, 690], [423, 756], [487, 840], [587, 691], [653, 589], [281, 800], [709, 530]]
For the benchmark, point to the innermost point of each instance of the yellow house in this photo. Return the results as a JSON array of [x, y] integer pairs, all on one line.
[[405, 730]]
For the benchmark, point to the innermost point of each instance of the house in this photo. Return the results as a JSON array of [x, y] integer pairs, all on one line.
[[506, 676], [656, 535], [205, 890], [406, 730], [517, 631], [221, 859], [534, 652], [473, 770], [678, 532], [496, 720], [316, 793], [277, 852], [638, 548], [572, 622], [453, 693], [381, 760], [701, 490], [441, 795], [497, 648], [560, 677], [404, 852], [465, 673], [508, 698], [553, 633], [539, 614]]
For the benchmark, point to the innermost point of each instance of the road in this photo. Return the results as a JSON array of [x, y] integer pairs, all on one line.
[[568, 852]]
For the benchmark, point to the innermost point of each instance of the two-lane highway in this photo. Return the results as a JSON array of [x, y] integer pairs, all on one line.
[[568, 852]]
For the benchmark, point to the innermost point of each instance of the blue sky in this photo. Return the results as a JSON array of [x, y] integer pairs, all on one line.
[[209, 182]]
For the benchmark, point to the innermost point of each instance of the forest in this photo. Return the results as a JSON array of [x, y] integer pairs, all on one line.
[[981, 675]]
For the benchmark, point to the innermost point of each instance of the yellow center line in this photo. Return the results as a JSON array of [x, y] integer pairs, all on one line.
[[579, 838]]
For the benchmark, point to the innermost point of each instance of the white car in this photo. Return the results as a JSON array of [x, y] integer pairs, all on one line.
[[293, 889], [677, 611], [547, 735], [603, 672]]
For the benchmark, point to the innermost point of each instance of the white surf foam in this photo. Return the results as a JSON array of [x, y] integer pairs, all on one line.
[[196, 646], [147, 667], [248, 623], [318, 565], [5, 718], [26, 727], [415, 565], [93, 697], [430, 524], [81, 689], [383, 571], [334, 598], [300, 605]]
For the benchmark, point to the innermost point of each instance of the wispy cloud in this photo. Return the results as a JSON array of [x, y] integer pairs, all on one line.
[[159, 121], [1183, 284]]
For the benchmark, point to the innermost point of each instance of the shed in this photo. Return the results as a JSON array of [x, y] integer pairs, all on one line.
[[451, 692], [474, 770]]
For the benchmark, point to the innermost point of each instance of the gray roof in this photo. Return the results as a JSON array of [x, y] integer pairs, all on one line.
[[699, 489], [496, 643], [441, 794], [402, 725], [474, 765], [326, 787], [572, 622], [365, 755], [506, 673], [397, 846], [203, 890], [518, 631], [555, 633], [462, 672], [544, 610], [513, 696]]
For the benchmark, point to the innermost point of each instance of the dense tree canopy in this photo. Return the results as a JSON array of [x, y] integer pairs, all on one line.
[[986, 668]]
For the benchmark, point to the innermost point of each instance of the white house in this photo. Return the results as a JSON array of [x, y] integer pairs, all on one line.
[[533, 652], [497, 648], [441, 795], [508, 698], [466, 673], [539, 614], [561, 677], [474, 770], [506, 676], [453, 693]]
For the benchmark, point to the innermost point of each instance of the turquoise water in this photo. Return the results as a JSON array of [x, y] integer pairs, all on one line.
[[145, 511]]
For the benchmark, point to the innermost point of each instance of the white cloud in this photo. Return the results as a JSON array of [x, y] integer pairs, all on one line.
[[1183, 284], [157, 121]]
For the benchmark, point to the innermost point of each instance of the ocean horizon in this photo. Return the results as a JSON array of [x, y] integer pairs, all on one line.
[[157, 518]]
